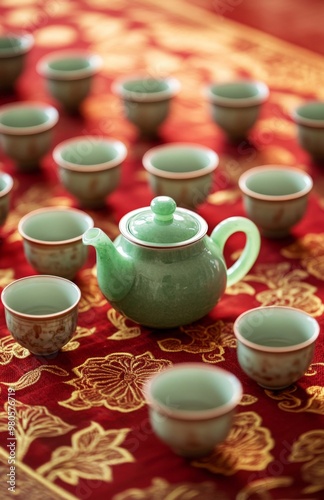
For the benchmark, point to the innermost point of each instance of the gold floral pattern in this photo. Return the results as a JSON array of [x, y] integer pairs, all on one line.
[[33, 376], [247, 447], [290, 402], [80, 333], [91, 296], [210, 341], [286, 287], [260, 488], [124, 332], [310, 251], [70, 464], [10, 349], [309, 448], [32, 422], [114, 381]]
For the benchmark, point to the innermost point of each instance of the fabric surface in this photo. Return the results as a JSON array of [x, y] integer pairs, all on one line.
[[82, 428]]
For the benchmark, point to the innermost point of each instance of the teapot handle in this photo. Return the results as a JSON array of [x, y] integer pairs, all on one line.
[[224, 230]]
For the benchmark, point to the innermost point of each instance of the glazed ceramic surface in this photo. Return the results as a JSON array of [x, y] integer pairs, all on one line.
[[275, 197], [275, 344], [235, 106], [13, 52], [52, 239], [162, 270], [309, 118], [26, 132], [182, 171], [6, 184], [90, 167], [146, 101], [69, 76], [41, 312], [191, 406]]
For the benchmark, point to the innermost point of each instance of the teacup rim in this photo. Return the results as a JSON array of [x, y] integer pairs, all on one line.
[[9, 183], [244, 102], [26, 47], [308, 122], [51, 111], [94, 59], [96, 167], [173, 89], [272, 349], [149, 167], [267, 197], [194, 415], [44, 210], [41, 277]]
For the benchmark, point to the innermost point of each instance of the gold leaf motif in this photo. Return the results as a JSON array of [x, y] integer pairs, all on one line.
[[309, 448], [79, 334], [124, 332], [261, 487], [162, 489], [206, 340], [224, 196], [286, 287], [291, 403], [33, 376], [10, 349], [32, 422], [247, 447], [240, 287], [6, 276], [92, 453], [248, 399], [114, 381], [310, 250], [91, 295]]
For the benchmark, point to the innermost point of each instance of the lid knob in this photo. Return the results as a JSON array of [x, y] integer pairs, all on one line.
[[163, 208]]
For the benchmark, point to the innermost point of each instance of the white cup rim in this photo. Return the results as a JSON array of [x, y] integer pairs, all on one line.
[[96, 167], [44, 69], [272, 168], [243, 102], [46, 210], [51, 113], [9, 183], [39, 278], [272, 349], [173, 88], [149, 155], [28, 42], [194, 415], [308, 122]]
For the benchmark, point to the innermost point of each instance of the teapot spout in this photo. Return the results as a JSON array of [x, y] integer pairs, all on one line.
[[115, 272]]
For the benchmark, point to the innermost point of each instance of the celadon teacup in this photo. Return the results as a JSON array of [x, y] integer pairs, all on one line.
[[191, 406], [183, 171], [6, 185], [90, 167], [14, 48], [69, 75], [275, 344], [235, 106], [26, 132], [309, 118], [146, 100], [275, 197], [52, 240], [41, 312]]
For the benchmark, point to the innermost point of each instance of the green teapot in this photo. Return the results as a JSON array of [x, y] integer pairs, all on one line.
[[163, 271]]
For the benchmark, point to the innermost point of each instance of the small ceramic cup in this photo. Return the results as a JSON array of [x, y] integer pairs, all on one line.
[[146, 100], [182, 171], [13, 52], [235, 106], [90, 168], [69, 76], [52, 240], [6, 185], [26, 132], [309, 118], [191, 406], [275, 344], [275, 197], [41, 312]]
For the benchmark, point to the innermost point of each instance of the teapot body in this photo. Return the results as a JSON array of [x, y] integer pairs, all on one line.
[[171, 286]]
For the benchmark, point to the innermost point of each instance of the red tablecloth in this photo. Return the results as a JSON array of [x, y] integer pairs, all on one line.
[[75, 438]]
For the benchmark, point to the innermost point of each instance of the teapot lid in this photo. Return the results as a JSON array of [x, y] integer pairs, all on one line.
[[163, 225]]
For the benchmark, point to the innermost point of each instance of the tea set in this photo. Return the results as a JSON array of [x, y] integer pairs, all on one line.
[[163, 270]]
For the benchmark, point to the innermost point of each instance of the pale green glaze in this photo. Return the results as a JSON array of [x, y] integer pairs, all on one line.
[[309, 118], [6, 185], [13, 52], [163, 271]]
